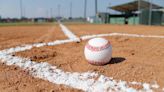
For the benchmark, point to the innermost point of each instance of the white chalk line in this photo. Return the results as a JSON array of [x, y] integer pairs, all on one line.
[[68, 33], [84, 81], [85, 37], [30, 46]]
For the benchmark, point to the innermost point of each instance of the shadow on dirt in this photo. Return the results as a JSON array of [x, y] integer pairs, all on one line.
[[116, 60]]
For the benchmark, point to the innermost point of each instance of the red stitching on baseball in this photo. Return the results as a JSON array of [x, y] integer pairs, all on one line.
[[92, 48]]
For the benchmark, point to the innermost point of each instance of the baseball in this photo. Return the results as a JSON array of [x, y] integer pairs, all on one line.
[[98, 51]]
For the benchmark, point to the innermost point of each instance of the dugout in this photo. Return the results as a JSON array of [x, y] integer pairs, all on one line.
[[137, 12], [156, 17], [129, 18], [0, 18]]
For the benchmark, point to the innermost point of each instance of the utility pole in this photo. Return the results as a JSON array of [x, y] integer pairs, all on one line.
[[85, 9], [21, 9]]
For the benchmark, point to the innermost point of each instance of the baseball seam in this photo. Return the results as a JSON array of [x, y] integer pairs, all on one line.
[[96, 49]]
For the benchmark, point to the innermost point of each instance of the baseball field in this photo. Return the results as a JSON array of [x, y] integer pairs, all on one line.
[[50, 58]]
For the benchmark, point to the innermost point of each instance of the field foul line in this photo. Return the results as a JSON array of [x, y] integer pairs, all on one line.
[[89, 81], [68, 33], [120, 34], [71, 35], [37, 45]]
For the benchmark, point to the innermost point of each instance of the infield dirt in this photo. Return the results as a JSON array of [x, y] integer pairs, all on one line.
[[13, 79], [89, 29], [12, 36], [134, 59]]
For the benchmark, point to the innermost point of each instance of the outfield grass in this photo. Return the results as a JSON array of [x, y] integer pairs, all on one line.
[[26, 24], [74, 22], [44, 23]]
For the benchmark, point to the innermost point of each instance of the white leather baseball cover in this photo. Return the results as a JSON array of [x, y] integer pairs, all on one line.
[[98, 51]]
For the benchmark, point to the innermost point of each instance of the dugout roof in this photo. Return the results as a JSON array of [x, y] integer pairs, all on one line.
[[133, 6]]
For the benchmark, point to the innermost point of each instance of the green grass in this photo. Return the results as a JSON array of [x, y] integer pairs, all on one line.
[[74, 22], [26, 24], [163, 24]]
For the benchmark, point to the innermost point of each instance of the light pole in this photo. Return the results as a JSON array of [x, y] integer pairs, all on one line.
[[108, 13], [71, 10], [24, 11], [150, 11], [139, 11], [96, 7], [47, 14], [96, 20], [85, 9], [59, 10], [21, 9], [51, 13], [0, 17]]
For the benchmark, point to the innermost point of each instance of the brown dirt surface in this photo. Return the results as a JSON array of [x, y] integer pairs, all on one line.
[[11, 36], [85, 29], [13, 79], [134, 59]]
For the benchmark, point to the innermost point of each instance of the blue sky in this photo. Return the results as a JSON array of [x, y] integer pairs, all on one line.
[[42, 8]]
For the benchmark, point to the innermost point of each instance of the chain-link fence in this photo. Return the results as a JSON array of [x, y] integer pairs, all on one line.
[[146, 12], [151, 12]]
